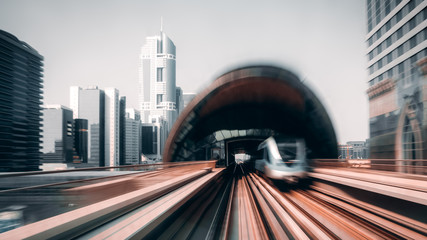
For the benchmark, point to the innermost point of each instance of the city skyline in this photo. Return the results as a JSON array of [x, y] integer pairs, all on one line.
[[85, 44]]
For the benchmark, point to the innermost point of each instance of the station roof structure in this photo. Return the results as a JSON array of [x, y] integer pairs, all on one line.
[[251, 100]]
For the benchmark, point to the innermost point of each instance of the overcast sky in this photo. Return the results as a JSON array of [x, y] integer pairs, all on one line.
[[98, 42]]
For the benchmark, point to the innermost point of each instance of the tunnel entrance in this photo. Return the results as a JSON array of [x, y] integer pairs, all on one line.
[[244, 107]]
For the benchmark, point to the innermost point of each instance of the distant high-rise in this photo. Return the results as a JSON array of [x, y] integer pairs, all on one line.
[[179, 101], [90, 104], [397, 71], [21, 74], [112, 126], [133, 137], [57, 140], [80, 140], [157, 81], [187, 97], [122, 131]]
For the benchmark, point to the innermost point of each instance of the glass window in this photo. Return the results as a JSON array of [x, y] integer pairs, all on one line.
[[393, 20], [159, 98], [393, 37], [413, 42], [419, 18], [371, 55], [399, 16], [288, 152], [394, 54], [399, 33], [159, 75], [388, 25], [389, 58], [383, 31], [406, 46], [380, 63], [388, 42], [405, 28], [387, 7], [412, 23], [266, 157], [400, 68], [405, 10], [411, 5], [390, 73]]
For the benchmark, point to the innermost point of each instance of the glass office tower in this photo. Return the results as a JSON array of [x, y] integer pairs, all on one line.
[[21, 73], [397, 90]]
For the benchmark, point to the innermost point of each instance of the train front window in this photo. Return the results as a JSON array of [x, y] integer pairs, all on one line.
[[288, 152]]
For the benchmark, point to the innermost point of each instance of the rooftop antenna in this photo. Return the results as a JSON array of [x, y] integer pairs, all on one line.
[[161, 24]]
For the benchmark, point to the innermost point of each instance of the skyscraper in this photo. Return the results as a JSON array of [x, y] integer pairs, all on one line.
[[80, 140], [157, 83], [122, 131], [179, 101], [57, 144], [397, 90], [112, 126], [133, 137], [90, 104], [21, 74]]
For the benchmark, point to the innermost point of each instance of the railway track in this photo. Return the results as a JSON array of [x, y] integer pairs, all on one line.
[[269, 213], [233, 204]]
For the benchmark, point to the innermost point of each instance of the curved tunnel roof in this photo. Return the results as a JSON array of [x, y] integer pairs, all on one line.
[[254, 97]]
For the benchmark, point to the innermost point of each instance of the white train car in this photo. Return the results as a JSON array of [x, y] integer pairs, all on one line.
[[282, 159]]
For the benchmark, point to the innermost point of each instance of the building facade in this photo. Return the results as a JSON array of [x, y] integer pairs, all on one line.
[[89, 104], [133, 137], [80, 150], [179, 101], [122, 131], [157, 80], [57, 136], [153, 137], [353, 150], [112, 127], [397, 90], [21, 78]]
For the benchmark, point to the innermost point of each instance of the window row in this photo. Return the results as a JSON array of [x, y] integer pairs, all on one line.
[[399, 51], [393, 21], [411, 24], [404, 70], [378, 10]]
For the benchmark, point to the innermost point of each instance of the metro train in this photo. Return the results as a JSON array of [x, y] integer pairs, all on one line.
[[282, 159]]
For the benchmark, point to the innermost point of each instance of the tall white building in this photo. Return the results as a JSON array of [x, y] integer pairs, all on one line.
[[157, 80], [89, 104], [112, 125]]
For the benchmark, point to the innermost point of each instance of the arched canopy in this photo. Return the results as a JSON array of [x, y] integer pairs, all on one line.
[[254, 97]]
